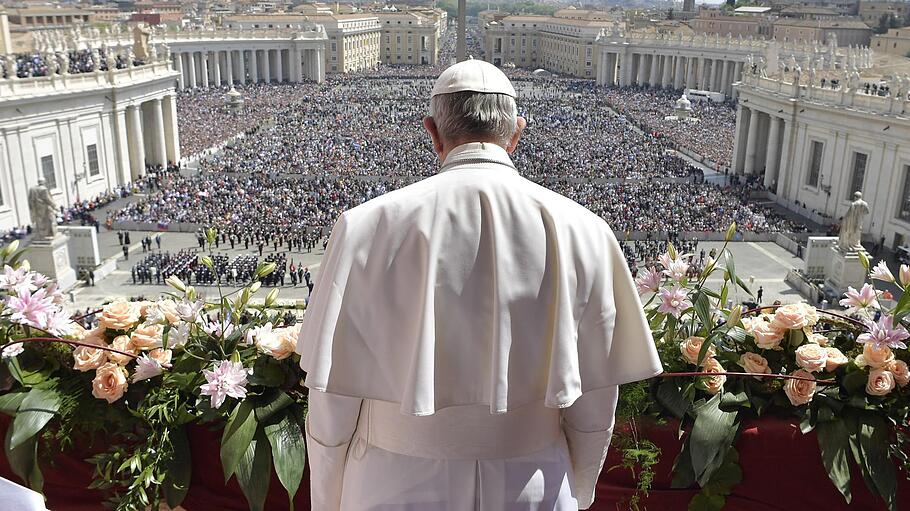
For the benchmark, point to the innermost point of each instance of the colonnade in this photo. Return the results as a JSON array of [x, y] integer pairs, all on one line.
[[212, 68], [625, 68], [148, 134], [760, 144]]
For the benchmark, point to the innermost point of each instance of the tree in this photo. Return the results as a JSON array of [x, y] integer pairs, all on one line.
[[884, 23]]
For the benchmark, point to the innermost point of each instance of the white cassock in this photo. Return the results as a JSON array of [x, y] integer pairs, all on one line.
[[463, 346]]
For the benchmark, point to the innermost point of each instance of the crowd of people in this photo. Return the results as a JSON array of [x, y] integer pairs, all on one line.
[[28, 65], [710, 135]]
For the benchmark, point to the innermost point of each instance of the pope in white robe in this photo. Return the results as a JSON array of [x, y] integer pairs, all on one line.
[[466, 335]]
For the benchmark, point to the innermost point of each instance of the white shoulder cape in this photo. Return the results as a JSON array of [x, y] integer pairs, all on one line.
[[474, 286]]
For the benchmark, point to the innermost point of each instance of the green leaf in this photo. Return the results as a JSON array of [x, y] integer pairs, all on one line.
[[703, 309], [272, 402], [903, 307], [253, 472], [874, 436], [711, 437], [238, 433], [24, 460], [728, 262], [683, 474], [740, 283], [288, 451], [36, 410], [267, 372], [706, 502], [729, 401], [28, 376], [9, 403], [834, 441], [670, 396], [179, 469]]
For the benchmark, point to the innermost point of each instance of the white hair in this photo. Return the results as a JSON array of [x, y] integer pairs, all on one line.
[[461, 114]]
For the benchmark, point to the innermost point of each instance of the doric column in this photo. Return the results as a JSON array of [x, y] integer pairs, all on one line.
[[652, 76], [215, 57], [266, 66], [751, 142], [134, 139], [725, 79], [320, 65], [204, 69], [243, 66], [690, 73], [737, 73], [121, 146], [712, 75], [783, 168], [178, 62], [679, 65], [666, 81], [171, 133], [229, 62], [279, 65], [159, 146], [772, 157], [254, 67], [191, 66]]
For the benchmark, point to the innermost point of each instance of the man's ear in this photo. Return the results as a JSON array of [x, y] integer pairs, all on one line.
[[513, 143], [431, 128]]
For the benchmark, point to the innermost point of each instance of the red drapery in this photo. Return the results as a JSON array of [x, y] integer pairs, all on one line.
[[781, 471]]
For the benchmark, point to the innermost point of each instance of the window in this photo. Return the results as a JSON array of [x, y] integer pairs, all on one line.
[[815, 163], [47, 172], [91, 156], [903, 203], [859, 174]]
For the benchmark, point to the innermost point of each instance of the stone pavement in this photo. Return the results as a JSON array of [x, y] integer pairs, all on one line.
[[759, 264]]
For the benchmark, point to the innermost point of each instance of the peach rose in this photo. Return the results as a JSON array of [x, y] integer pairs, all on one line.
[[148, 337], [713, 384], [835, 359], [160, 355], [755, 363], [800, 392], [168, 309], [819, 339], [811, 357], [110, 382], [874, 356], [766, 338], [794, 316], [94, 336], [142, 306], [119, 315], [881, 382], [900, 371], [691, 347], [86, 359], [280, 343], [121, 343]]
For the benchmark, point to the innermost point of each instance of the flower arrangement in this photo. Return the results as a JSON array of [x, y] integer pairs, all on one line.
[[842, 375], [145, 373]]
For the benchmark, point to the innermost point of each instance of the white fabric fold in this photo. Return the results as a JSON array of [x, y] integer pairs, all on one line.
[[474, 286]]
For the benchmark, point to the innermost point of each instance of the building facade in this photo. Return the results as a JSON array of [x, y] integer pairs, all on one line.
[[816, 146], [352, 40], [895, 42], [409, 38], [84, 133]]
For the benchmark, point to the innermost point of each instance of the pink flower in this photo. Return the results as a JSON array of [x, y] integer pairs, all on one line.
[[12, 350], [674, 301], [17, 280], [880, 382], [883, 333], [904, 274], [800, 392], [228, 379], [59, 323], [859, 302], [674, 268], [648, 281], [146, 367], [30, 308], [881, 272]]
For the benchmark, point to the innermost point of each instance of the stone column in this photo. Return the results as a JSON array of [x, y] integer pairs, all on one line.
[[279, 65], [267, 66], [204, 70], [679, 65], [712, 79], [178, 61], [653, 78], [242, 64], [191, 65], [216, 71], [254, 67], [725, 79], [171, 134], [121, 146], [772, 156], [751, 142], [229, 62], [737, 74], [690, 73], [783, 168], [159, 146], [134, 139]]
